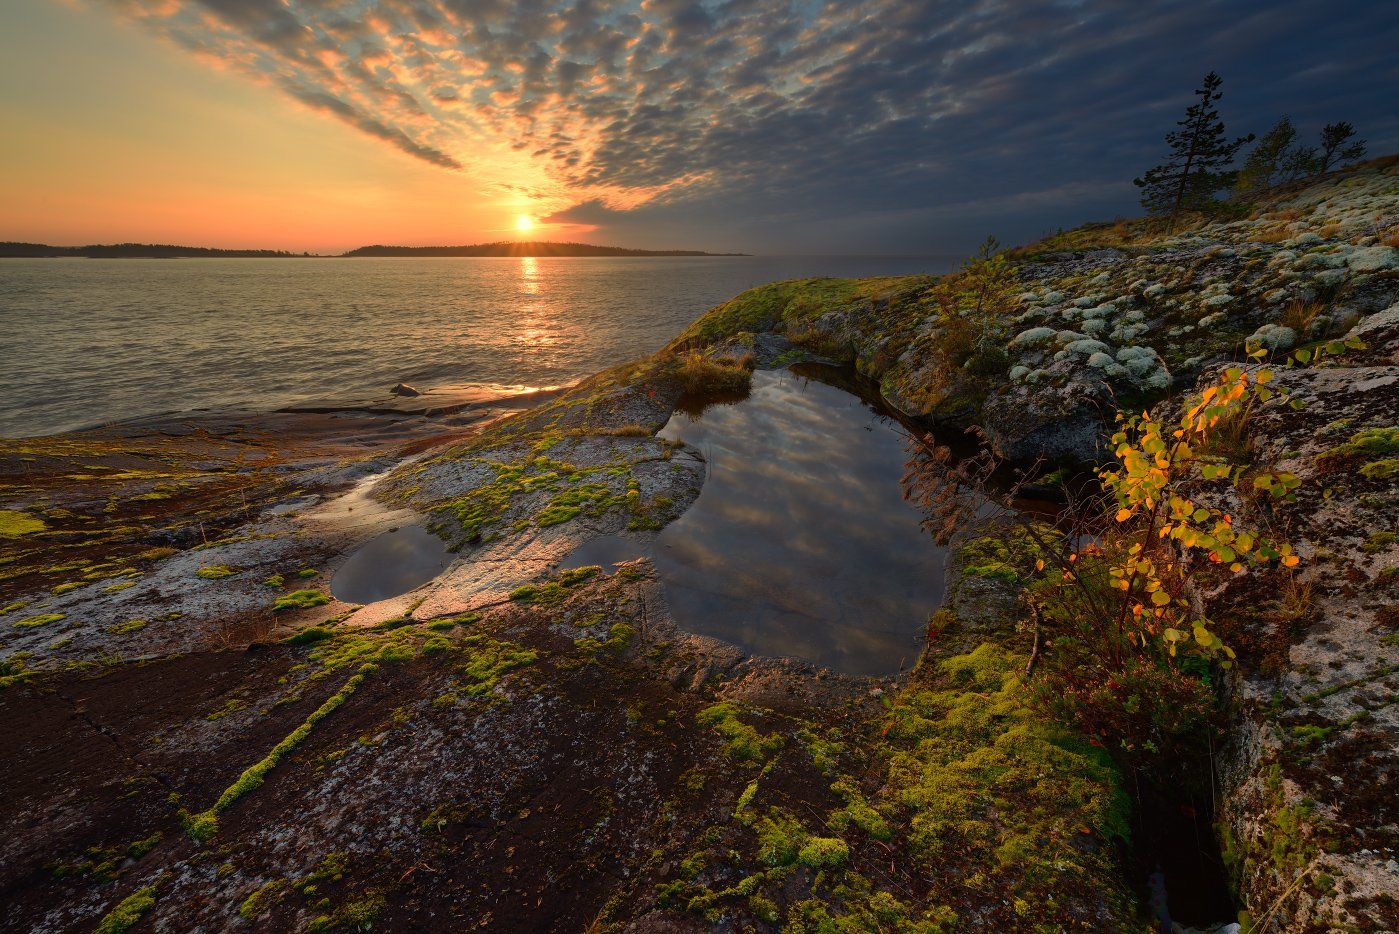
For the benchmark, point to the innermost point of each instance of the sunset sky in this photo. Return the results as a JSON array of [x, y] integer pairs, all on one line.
[[769, 125]]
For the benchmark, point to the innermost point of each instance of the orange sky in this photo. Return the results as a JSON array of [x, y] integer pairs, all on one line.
[[113, 134]]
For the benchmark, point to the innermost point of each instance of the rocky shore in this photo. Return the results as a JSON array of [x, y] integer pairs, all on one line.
[[203, 737]]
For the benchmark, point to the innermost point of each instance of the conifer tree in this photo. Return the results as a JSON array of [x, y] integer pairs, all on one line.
[[1271, 161], [1336, 146], [1199, 163]]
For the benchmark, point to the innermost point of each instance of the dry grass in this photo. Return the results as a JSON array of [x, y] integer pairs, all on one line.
[[701, 374], [1299, 315], [819, 342], [1296, 599], [1391, 239], [632, 430], [1273, 235], [1232, 438]]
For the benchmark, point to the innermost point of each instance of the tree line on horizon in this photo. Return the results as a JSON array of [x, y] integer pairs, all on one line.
[[1200, 166]]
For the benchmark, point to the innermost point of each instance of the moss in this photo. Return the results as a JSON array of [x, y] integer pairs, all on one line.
[[488, 503], [488, 661], [232, 705], [43, 619], [127, 912], [1381, 469], [299, 600], [130, 626], [276, 581], [1372, 442], [798, 300], [781, 838], [309, 636], [262, 899], [857, 812], [205, 824], [741, 741], [357, 915], [213, 572], [819, 852], [619, 638], [14, 524], [307, 573], [556, 591], [977, 771], [140, 848], [1379, 541], [1008, 554]]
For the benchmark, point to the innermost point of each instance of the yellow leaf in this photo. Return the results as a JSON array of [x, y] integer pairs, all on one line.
[[1123, 515], [1160, 598]]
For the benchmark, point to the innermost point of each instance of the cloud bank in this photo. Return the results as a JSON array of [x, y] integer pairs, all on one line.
[[761, 121]]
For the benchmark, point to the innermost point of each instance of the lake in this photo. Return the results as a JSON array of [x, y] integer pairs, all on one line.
[[88, 342]]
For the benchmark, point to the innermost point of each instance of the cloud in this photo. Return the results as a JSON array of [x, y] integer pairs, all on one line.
[[318, 100], [796, 111]]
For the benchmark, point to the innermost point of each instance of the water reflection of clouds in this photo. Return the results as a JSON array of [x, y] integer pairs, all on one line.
[[800, 543]]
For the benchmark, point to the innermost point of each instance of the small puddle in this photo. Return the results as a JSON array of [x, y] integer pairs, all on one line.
[[390, 564], [800, 542]]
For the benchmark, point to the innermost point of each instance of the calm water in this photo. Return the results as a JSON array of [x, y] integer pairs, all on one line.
[[800, 542], [91, 341], [391, 563]]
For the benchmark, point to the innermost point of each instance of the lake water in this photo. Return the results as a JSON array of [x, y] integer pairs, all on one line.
[[800, 542], [88, 342]]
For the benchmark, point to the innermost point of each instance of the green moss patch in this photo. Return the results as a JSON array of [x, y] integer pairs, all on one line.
[[555, 591], [127, 912], [741, 741], [299, 600], [1372, 442], [14, 524], [43, 619]]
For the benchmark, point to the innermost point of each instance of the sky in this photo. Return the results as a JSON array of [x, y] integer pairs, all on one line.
[[770, 126]]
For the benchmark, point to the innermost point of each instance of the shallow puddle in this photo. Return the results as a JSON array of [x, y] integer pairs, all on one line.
[[390, 564], [800, 542]]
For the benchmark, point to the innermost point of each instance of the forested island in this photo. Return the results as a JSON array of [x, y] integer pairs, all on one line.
[[540, 248], [518, 248]]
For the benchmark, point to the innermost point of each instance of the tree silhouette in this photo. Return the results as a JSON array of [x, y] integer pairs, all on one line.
[[1271, 160], [1200, 160], [1337, 148]]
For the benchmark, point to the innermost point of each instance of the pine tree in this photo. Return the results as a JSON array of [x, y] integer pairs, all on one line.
[[1271, 160], [1336, 148], [1198, 166]]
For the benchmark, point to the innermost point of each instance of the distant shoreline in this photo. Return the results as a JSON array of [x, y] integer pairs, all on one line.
[[507, 249]]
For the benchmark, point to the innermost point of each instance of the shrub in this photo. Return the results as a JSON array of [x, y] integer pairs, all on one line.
[[1122, 654]]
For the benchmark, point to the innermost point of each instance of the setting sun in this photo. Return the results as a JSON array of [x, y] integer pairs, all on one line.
[[524, 223]]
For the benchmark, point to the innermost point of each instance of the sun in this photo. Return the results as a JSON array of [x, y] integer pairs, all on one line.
[[524, 223]]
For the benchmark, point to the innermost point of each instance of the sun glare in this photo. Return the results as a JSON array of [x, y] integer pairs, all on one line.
[[524, 223]]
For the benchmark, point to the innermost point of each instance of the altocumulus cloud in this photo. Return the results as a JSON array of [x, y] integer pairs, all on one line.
[[887, 123]]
